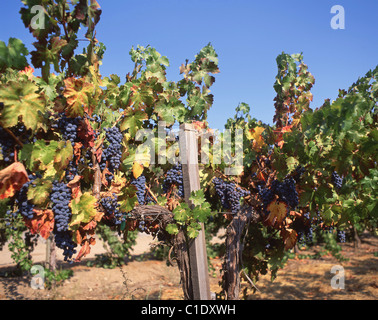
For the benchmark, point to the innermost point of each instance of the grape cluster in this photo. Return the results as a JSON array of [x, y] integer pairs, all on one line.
[[6, 146], [25, 207], [68, 127], [266, 195], [142, 226], [304, 228], [7, 142], [60, 197], [285, 191], [298, 172], [229, 194], [71, 170], [174, 177], [113, 152], [341, 236], [111, 207], [10, 217], [140, 184], [63, 240], [337, 181]]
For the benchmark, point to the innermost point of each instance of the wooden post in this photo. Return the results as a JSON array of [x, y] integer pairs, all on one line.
[[197, 247]]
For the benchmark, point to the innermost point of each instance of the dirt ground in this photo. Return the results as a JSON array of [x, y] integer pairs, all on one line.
[[148, 279]]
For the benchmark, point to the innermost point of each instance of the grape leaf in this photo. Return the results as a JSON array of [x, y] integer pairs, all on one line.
[[63, 155], [137, 169], [83, 209], [133, 121], [289, 237], [277, 212], [255, 135], [12, 178], [77, 93], [171, 111], [13, 55], [42, 223], [128, 198], [39, 191], [21, 101], [172, 228], [197, 197]]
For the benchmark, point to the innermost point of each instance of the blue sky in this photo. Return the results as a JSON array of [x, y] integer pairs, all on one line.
[[247, 35]]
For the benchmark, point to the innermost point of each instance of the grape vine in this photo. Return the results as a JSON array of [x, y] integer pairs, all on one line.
[[72, 159]]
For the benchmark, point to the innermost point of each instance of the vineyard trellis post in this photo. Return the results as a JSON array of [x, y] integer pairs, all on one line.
[[188, 143]]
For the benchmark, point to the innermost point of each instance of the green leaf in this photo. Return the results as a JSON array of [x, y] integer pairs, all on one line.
[[172, 228], [292, 163], [63, 156], [170, 111], [133, 121], [83, 209], [13, 55], [192, 232], [39, 155], [181, 213], [39, 191], [21, 101], [197, 197], [128, 199]]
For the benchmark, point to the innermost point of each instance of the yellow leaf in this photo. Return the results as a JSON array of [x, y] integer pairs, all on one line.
[[277, 214], [256, 132], [137, 169], [255, 135]]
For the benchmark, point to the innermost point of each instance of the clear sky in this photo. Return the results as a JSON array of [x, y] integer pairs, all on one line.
[[247, 35]]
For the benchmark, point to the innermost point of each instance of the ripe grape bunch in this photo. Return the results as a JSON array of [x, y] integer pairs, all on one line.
[[341, 236], [111, 207], [174, 177], [229, 194], [25, 207], [337, 181], [140, 184], [71, 170], [6, 146], [304, 228], [285, 191], [68, 127], [113, 152], [60, 197], [63, 240]]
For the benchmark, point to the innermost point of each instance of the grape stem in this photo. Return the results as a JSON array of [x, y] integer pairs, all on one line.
[[151, 193], [13, 136], [97, 177]]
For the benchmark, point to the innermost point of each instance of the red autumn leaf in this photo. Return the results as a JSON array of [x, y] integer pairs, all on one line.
[[77, 93], [286, 129], [85, 249], [90, 225], [74, 185], [12, 178], [42, 223], [77, 151], [78, 237], [86, 133], [279, 138]]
